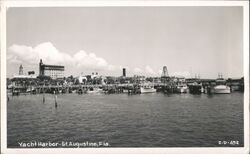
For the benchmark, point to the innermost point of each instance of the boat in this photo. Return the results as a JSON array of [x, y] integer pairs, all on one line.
[[92, 90], [182, 88], [195, 88], [125, 91], [30, 89], [221, 87], [147, 88], [15, 93]]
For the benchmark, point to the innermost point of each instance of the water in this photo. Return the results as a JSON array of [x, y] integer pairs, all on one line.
[[146, 120]]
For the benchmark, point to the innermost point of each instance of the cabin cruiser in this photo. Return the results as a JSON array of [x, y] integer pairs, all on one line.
[[221, 87], [30, 89], [147, 88], [182, 88]]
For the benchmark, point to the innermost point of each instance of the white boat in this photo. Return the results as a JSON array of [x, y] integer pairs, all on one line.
[[221, 87], [146, 88], [182, 88], [94, 90], [30, 89], [125, 90]]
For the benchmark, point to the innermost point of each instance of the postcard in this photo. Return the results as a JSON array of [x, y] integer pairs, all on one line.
[[125, 77]]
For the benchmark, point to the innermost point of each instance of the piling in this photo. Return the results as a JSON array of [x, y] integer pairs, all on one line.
[[208, 90], [55, 100], [43, 98]]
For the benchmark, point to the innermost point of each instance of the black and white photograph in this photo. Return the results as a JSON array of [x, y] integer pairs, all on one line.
[[125, 77]]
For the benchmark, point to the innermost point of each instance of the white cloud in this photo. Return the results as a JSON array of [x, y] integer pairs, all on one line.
[[21, 53], [159, 72], [149, 70], [29, 55], [85, 60], [138, 71], [51, 55]]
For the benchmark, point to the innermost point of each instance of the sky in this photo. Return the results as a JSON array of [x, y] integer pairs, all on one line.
[[188, 40]]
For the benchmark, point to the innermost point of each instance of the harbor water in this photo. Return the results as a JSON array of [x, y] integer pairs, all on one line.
[[122, 120]]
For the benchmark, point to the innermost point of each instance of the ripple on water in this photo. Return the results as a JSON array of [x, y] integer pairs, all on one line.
[[153, 120]]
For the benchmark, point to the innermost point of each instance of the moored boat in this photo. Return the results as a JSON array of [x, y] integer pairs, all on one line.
[[92, 90], [221, 86], [222, 89], [147, 88], [182, 88], [195, 88]]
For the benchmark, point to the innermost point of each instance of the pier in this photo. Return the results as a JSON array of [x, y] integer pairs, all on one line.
[[196, 86]]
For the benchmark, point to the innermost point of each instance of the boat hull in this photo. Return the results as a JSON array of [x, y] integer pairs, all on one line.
[[147, 90], [182, 90], [95, 91], [221, 89]]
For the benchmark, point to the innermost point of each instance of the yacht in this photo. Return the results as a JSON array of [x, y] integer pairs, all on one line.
[[147, 88], [221, 87], [30, 89], [182, 88]]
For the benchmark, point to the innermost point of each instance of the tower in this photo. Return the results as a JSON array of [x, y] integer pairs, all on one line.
[[40, 68], [124, 72], [165, 71], [21, 70]]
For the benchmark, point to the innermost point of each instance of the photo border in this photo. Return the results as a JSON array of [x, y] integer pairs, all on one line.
[[223, 150]]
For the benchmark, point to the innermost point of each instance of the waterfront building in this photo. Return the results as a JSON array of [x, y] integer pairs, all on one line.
[[53, 71], [181, 79], [139, 79], [157, 80], [22, 80], [22, 76]]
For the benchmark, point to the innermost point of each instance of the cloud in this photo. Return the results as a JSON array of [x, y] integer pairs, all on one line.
[[90, 60], [51, 55], [159, 72], [138, 71], [148, 71], [21, 53], [29, 55]]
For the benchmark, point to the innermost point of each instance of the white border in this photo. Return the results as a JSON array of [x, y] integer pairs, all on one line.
[[5, 4]]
